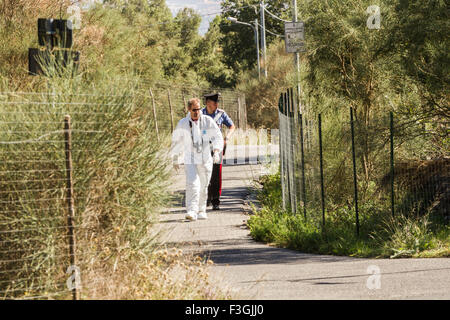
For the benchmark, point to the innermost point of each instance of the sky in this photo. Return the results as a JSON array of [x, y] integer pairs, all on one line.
[[207, 8]]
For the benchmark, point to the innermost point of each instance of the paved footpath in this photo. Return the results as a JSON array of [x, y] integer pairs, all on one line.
[[253, 270]]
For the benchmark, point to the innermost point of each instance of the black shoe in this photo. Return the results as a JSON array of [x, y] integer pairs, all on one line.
[[216, 207], [208, 203]]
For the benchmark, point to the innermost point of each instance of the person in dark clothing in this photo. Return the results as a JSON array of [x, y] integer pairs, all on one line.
[[222, 119]]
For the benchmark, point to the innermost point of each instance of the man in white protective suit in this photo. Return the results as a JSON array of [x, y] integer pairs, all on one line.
[[195, 136]]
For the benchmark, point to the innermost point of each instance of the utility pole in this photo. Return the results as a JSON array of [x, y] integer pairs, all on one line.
[[255, 30], [297, 64], [263, 36], [257, 48]]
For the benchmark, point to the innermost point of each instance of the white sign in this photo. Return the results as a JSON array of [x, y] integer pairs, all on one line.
[[374, 20], [294, 35]]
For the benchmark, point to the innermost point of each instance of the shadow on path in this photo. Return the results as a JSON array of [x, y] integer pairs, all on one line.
[[229, 253]]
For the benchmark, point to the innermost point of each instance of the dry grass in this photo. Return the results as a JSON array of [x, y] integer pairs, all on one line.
[[166, 274], [121, 181], [262, 95]]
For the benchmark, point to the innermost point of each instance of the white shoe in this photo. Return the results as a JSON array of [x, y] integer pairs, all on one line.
[[202, 216], [191, 216]]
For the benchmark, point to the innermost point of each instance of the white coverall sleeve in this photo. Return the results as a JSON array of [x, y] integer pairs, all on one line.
[[216, 137], [177, 147]]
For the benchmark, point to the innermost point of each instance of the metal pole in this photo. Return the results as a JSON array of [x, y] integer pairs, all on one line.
[[392, 163], [300, 118], [297, 61], [263, 36], [257, 48], [171, 111], [321, 171], [70, 200], [185, 107], [355, 182], [280, 143], [154, 114], [286, 149], [239, 112], [293, 133]]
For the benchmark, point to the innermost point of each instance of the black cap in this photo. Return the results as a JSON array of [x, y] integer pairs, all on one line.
[[212, 96]]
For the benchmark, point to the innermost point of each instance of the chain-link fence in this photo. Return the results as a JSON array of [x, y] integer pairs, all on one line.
[[361, 161], [34, 217], [170, 103], [60, 242]]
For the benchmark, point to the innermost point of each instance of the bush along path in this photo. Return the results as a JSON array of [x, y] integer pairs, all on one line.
[[254, 270], [381, 235]]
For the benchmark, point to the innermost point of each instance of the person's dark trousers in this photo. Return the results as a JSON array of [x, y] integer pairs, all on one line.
[[215, 184]]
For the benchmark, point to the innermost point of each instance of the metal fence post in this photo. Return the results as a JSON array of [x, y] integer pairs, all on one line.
[[154, 114], [185, 107], [239, 113], [391, 118], [288, 149], [322, 187], [355, 182], [292, 150], [300, 120], [286, 145], [280, 143], [244, 104], [70, 200], [171, 110]]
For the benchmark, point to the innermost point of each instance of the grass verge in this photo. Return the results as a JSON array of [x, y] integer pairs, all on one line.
[[120, 178], [381, 235]]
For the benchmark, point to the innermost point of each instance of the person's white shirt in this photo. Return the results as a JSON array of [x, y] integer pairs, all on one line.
[[182, 140]]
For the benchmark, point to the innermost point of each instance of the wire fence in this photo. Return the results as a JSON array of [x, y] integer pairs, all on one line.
[[36, 228], [176, 98], [56, 218], [385, 164]]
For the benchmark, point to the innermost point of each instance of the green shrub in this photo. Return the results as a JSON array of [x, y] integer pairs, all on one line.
[[380, 234], [120, 181]]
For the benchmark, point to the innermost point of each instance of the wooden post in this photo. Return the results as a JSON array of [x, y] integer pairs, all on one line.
[[171, 110], [281, 145], [293, 148], [355, 179], [70, 200], [185, 107], [302, 150], [391, 118], [239, 112], [154, 113], [322, 186], [245, 114]]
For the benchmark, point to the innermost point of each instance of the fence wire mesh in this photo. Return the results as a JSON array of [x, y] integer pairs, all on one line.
[[354, 161], [118, 178]]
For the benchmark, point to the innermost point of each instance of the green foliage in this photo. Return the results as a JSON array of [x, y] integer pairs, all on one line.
[[380, 234], [418, 41], [120, 174], [261, 95], [120, 177], [120, 37], [419, 35], [270, 194], [208, 58], [238, 40], [401, 67], [341, 67]]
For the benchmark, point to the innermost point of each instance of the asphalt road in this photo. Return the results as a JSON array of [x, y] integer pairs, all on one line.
[[254, 270]]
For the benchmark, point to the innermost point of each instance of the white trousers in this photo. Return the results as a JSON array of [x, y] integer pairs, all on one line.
[[197, 181]]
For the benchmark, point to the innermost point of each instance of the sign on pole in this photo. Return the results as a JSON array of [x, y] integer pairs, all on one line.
[[294, 33]]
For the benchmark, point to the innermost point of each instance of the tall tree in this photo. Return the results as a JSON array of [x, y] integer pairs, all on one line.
[[207, 58], [342, 68], [419, 36]]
